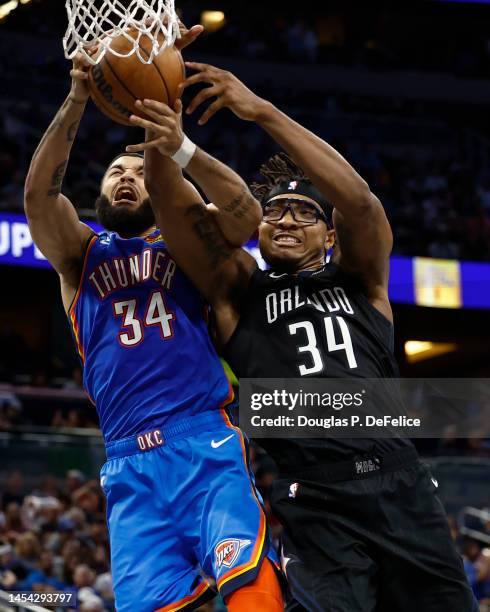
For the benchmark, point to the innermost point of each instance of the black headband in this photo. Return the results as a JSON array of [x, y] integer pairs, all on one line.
[[300, 187]]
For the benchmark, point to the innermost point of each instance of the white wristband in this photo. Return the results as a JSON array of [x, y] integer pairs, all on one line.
[[185, 153]]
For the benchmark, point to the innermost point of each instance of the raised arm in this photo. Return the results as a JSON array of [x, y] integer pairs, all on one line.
[[193, 231], [363, 232], [53, 221], [237, 212]]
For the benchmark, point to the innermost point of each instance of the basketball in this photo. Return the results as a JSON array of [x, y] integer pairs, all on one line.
[[117, 82]]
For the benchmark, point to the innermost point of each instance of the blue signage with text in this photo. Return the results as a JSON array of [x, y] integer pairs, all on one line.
[[473, 279]]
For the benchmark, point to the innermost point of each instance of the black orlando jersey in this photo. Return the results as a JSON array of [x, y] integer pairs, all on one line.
[[317, 324]]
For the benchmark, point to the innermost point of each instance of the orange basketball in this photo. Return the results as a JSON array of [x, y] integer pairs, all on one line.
[[117, 82]]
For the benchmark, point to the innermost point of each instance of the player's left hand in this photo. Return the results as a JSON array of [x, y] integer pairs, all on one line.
[[163, 128], [229, 92]]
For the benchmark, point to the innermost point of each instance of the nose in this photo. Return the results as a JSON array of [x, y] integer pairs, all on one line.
[[127, 176], [287, 220]]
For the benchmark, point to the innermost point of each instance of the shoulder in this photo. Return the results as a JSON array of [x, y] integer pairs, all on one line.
[[336, 273], [376, 298], [263, 277]]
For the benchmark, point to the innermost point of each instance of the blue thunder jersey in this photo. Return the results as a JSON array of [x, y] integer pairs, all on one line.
[[140, 329]]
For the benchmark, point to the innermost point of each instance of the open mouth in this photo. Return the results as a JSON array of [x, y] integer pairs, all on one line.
[[287, 239], [125, 194]]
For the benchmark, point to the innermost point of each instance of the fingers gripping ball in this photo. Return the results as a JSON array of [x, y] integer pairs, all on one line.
[[117, 82]]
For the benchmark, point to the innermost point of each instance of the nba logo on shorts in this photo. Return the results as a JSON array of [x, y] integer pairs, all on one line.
[[227, 551], [293, 489]]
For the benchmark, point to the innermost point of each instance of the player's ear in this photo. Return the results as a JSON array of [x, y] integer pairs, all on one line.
[[330, 239]]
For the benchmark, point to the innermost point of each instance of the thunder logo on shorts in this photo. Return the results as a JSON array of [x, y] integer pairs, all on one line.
[[227, 551], [140, 329]]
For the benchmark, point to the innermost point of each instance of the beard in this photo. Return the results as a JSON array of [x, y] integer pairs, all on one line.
[[127, 221]]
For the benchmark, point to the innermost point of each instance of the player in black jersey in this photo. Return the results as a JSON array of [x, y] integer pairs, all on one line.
[[355, 539]]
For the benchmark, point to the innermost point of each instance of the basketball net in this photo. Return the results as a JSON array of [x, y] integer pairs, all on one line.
[[99, 22]]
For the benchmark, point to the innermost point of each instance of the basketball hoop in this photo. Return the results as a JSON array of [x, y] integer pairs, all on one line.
[[99, 22]]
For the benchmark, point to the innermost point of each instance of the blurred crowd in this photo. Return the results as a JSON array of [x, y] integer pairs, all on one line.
[[53, 536], [438, 201], [375, 35], [476, 559], [21, 364], [433, 181]]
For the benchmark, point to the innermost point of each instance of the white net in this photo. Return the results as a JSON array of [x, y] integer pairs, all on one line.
[[102, 21]]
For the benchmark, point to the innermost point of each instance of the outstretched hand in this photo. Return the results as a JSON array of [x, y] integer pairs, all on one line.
[[79, 76], [187, 36], [163, 127], [226, 88]]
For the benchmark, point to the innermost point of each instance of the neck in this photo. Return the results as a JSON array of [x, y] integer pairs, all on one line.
[[310, 266]]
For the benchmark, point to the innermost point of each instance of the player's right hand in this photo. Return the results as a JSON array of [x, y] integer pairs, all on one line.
[[187, 35], [229, 92], [79, 76], [163, 127]]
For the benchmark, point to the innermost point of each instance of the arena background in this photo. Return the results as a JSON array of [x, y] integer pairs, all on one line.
[[402, 92]]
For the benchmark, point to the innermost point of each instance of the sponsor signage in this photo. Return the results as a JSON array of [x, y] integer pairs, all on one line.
[[16, 245], [413, 280]]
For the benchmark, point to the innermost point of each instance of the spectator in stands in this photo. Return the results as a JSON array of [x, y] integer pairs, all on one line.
[[13, 526], [103, 586], [74, 480], [84, 577], [76, 380], [13, 489], [42, 577], [477, 566], [484, 563], [10, 410], [12, 569], [49, 486], [88, 499], [28, 548]]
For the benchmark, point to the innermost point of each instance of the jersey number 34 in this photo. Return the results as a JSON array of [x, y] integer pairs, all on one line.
[[156, 313], [311, 346]]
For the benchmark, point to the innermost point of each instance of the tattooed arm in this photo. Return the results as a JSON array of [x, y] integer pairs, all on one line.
[[196, 241], [237, 212], [53, 221], [363, 234]]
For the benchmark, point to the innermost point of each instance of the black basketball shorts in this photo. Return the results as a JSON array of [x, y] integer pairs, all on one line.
[[378, 541]]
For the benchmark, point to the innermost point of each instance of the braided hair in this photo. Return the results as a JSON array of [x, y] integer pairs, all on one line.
[[283, 177], [280, 168]]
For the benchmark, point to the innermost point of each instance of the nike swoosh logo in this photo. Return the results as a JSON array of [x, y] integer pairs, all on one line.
[[274, 275], [435, 483], [221, 442]]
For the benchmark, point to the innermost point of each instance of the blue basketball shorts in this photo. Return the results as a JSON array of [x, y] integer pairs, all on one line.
[[181, 507]]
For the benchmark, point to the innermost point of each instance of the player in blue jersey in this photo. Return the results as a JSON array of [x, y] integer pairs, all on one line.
[[181, 503]]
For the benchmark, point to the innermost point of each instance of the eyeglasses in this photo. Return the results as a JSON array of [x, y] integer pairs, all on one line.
[[301, 211]]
